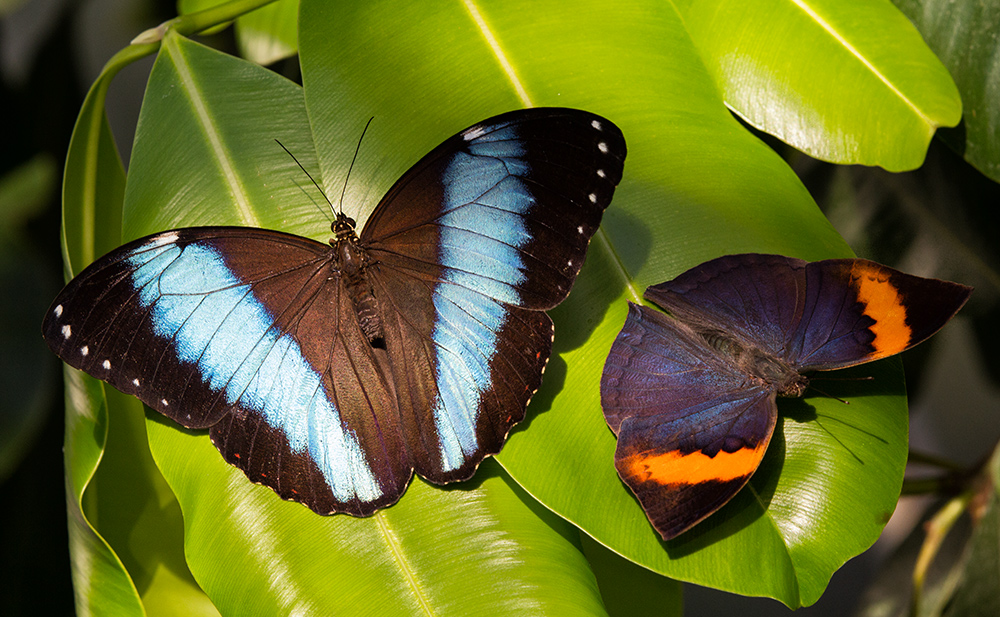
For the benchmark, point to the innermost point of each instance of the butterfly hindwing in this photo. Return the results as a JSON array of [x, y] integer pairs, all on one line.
[[337, 411], [496, 230], [690, 430], [681, 481], [462, 388]]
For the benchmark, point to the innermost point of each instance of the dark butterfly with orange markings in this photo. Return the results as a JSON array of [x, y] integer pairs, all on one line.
[[691, 396], [330, 372]]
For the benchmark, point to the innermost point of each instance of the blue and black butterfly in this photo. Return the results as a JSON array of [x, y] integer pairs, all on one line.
[[330, 372]]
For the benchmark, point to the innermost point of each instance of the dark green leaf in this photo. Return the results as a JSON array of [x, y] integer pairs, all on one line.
[[963, 33]]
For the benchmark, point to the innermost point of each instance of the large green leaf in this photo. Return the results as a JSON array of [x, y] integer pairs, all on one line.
[[843, 81], [93, 184], [205, 153], [696, 186]]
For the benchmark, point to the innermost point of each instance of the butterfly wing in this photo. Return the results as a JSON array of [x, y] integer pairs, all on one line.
[[814, 315], [241, 331], [691, 428], [856, 311], [757, 299], [468, 249]]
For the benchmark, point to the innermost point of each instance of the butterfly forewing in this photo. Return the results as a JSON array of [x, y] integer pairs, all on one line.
[[464, 386], [756, 298], [143, 316], [506, 207], [858, 310], [496, 227]]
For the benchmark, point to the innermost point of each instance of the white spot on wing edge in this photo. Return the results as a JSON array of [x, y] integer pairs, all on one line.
[[579, 229], [593, 198], [107, 365], [600, 173], [84, 350], [597, 125], [603, 147], [135, 382], [168, 237], [67, 331], [473, 133], [164, 402], [58, 310]]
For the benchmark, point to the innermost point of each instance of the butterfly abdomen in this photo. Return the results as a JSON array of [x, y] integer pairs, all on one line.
[[353, 261]]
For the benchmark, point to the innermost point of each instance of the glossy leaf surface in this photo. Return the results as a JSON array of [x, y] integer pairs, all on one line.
[[846, 82]]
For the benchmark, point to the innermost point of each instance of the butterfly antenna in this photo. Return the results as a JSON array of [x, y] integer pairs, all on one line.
[[356, 150], [306, 172], [828, 395]]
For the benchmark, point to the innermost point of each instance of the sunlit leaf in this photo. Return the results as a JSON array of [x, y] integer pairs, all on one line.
[[847, 82]]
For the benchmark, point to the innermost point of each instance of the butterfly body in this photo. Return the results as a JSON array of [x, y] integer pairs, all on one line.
[[331, 372], [352, 263], [691, 396], [759, 368]]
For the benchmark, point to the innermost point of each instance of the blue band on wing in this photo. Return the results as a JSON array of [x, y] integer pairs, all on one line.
[[465, 334], [216, 323], [482, 226], [482, 231]]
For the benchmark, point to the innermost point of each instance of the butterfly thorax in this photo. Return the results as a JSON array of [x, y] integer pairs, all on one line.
[[758, 364], [352, 262]]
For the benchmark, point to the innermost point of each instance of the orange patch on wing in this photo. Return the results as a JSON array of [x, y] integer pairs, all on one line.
[[883, 304], [678, 468]]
